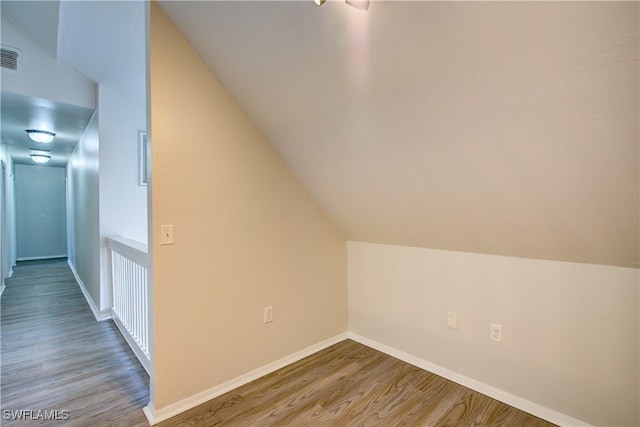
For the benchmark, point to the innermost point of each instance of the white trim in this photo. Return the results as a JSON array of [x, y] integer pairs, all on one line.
[[4, 284], [132, 249], [96, 313], [155, 416], [532, 408], [35, 258], [144, 360], [143, 158]]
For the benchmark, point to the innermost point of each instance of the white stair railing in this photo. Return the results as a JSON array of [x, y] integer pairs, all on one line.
[[130, 308]]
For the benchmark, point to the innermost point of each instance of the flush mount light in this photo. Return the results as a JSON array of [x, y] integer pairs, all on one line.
[[40, 135], [358, 4], [40, 158]]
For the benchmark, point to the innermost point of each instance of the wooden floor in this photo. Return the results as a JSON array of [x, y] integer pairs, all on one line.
[[349, 384], [56, 356]]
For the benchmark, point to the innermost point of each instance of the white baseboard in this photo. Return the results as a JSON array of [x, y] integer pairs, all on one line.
[[155, 416], [35, 258], [96, 313], [525, 405], [3, 286]]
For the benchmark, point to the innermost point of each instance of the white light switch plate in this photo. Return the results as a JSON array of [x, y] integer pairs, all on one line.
[[452, 320], [268, 314], [166, 234]]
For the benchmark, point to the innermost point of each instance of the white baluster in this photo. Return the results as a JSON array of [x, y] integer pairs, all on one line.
[[130, 295]]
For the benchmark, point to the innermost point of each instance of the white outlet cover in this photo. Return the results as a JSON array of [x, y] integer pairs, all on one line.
[[495, 332], [268, 314]]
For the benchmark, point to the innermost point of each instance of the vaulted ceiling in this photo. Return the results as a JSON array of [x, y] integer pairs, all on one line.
[[494, 127]]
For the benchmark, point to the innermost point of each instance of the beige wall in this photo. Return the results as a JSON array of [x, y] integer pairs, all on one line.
[[246, 235], [570, 331]]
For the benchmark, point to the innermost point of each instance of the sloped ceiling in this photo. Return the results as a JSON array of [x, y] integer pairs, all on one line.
[[38, 18], [102, 40], [105, 41], [492, 127]]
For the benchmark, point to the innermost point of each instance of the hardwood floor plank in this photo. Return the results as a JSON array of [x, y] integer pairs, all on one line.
[[491, 412], [350, 384], [56, 356], [398, 396]]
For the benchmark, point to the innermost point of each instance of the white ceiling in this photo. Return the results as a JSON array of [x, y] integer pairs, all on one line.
[[494, 127], [40, 18], [104, 41], [21, 112]]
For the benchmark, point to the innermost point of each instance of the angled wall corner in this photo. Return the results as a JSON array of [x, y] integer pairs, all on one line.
[[247, 235], [566, 326]]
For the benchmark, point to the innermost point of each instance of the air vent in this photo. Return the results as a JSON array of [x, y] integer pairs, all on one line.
[[10, 58]]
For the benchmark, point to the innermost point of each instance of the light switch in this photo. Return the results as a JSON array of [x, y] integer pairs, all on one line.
[[452, 320], [166, 232]]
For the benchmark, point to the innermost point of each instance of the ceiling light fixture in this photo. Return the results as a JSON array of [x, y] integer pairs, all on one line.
[[40, 135], [40, 158], [359, 4]]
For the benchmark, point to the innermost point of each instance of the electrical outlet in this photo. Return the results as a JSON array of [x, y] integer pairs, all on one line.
[[452, 320], [495, 332], [268, 314]]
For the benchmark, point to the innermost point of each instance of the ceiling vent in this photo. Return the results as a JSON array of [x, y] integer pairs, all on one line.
[[10, 58]]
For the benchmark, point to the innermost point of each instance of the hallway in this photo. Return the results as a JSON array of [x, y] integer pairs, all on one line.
[[57, 358]]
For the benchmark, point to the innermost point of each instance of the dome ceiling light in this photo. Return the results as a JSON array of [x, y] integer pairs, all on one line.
[[41, 136], [40, 156], [358, 4]]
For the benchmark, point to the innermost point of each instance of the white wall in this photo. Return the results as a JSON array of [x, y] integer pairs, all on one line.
[[41, 212], [7, 236], [105, 41], [570, 331], [41, 75], [123, 203], [84, 227]]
